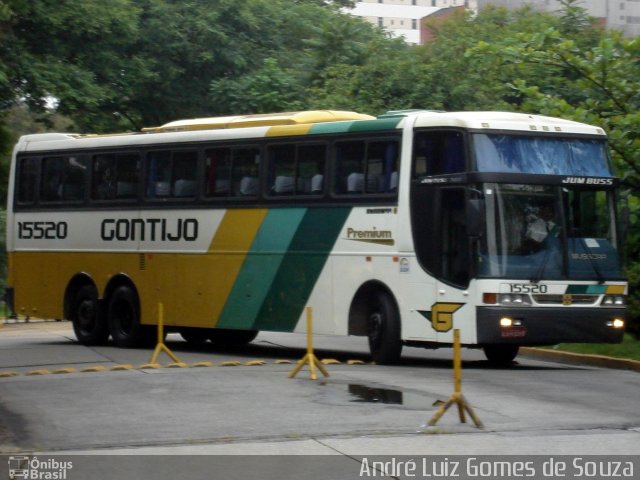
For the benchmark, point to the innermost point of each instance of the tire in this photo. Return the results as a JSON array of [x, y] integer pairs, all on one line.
[[195, 336], [124, 320], [88, 321], [383, 330], [501, 355], [228, 338]]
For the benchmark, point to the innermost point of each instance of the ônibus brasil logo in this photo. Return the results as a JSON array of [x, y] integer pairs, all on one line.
[[23, 467]]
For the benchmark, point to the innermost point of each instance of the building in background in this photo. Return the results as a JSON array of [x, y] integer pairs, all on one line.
[[623, 15], [406, 18]]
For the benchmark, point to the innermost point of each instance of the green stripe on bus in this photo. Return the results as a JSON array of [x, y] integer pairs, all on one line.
[[260, 268], [331, 127], [375, 125], [300, 268], [586, 289], [356, 126]]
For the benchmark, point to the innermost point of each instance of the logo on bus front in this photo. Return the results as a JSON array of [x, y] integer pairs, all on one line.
[[441, 315], [588, 181]]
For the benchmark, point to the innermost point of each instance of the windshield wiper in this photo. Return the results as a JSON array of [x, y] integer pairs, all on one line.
[[540, 272]]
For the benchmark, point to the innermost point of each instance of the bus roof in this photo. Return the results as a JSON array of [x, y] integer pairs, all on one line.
[[315, 122], [259, 120], [506, 121]]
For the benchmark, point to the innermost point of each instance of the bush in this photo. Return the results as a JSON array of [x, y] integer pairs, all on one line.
[[633, 322]]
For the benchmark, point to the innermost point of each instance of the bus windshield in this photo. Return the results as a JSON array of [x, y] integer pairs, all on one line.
[[542, 155], [537, 232]]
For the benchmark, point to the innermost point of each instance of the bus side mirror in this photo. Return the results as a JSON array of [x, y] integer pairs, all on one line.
[[476, 217]]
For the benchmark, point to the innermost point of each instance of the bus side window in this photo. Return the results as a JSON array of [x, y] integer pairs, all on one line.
[[382, 163], [217, 172], [349, 167], [172, 174], [282, 169], [245, 172], [438, 153], [127, 175], [296, 169], [366, 167], [311, 168], [159, 174], [115, 176], [63, 179], [103, 177], [183, 174], [26, 184]]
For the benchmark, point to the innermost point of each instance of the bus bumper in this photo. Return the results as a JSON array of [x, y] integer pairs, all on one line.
[[548, 326]]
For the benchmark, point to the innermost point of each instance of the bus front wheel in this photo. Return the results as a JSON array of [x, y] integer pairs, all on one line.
[[383, 330], [124, 320], [89, 324], [501, 355]]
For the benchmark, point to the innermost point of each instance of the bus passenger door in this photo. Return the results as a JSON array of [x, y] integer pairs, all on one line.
[[451, 308]]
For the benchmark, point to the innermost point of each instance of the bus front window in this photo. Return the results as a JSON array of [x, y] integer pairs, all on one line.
[[537, 232]]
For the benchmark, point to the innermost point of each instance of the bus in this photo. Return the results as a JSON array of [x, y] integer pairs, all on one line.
[[399, 228]]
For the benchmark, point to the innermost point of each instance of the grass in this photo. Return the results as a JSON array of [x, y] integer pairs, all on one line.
[[629, 348]]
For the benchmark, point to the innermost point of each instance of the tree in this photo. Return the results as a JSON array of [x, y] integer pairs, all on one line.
[[293, 74], [270, 88], [385, 80], [452, 72], [67, 50]]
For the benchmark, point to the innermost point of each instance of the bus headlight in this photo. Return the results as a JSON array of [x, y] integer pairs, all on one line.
[[616, 323], [513, 300], [506, 322], [614, 301]]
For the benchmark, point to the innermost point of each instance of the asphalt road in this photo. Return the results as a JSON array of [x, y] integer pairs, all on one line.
[[534, 408]]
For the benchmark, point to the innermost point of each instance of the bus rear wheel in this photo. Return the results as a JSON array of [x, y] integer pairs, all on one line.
[[383, 330], [124, 320], [501, 355], [89, 324]]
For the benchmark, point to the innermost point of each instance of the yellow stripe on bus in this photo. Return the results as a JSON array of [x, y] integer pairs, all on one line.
[[230, 246], [285, 130], [616, 289]]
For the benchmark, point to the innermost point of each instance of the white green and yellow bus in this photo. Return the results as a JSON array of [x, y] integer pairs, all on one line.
[[398, 228]]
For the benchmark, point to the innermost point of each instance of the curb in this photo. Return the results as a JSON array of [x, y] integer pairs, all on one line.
[[581, 359]]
